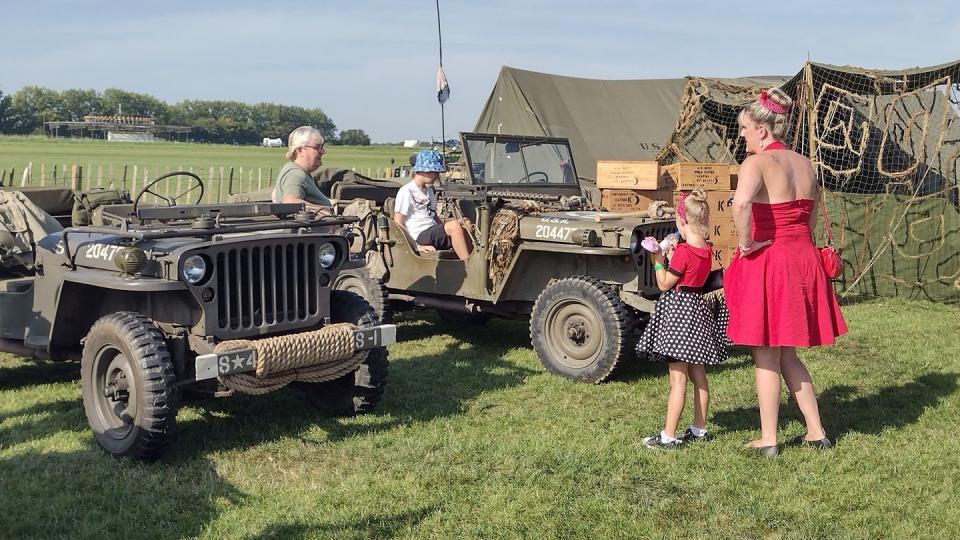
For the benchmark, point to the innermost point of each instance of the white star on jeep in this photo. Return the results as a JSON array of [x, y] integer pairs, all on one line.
[[237, 361]]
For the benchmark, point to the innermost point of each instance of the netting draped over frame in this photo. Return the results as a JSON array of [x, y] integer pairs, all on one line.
[[885, 145], [503, 239]]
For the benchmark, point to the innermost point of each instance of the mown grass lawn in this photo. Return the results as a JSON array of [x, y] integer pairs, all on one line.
[[474, 439], [97, 156]]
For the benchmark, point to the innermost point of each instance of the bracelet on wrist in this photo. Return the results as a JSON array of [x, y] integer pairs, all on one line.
[[659, 267]]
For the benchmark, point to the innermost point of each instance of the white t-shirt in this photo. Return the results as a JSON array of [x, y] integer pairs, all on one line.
[[419, 208]]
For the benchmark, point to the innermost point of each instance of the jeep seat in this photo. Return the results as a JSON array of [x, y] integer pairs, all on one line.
[[56, 201], [23, 224], [348, 191], [444, 254]]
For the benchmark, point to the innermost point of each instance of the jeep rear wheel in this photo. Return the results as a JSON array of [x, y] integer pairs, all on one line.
[[369, 288], [128, 379], [579, 328], [356, 392]]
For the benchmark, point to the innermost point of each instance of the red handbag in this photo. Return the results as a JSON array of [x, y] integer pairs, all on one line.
[[832, 263], [830, 257]]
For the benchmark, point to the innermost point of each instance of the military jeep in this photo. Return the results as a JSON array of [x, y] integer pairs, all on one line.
[[541, 250], [163, 303]]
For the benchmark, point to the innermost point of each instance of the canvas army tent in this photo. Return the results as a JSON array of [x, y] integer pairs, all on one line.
[[603, 119], [628, 119]]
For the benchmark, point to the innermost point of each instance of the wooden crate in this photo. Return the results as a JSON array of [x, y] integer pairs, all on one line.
[[687, 176], [734, 172], [722, 255], [720, 202], [723, 234], [628, 200], [722, 231], [628, 174]]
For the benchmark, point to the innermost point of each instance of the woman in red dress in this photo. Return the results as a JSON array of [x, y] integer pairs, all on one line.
[[776, 289]]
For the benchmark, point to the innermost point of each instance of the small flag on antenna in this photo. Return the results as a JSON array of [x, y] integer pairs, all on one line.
[[443, 89]]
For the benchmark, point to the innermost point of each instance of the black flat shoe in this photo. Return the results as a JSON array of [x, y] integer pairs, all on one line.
[[766, 451], [820, 444]]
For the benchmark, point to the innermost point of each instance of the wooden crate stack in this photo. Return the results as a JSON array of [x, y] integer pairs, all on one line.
[[627, 186]]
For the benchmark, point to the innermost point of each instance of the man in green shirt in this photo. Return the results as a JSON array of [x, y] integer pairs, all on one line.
[[295, 184]]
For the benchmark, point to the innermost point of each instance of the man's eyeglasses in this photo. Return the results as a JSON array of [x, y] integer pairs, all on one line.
[[317, 147]]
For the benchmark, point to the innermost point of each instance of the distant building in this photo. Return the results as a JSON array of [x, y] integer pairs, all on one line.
[[125, 128], [410, 143]]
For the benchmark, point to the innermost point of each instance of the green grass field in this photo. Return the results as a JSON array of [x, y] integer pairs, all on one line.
[[107, 159], [474, 439]]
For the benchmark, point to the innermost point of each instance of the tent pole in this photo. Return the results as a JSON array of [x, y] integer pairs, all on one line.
[[811, 113]]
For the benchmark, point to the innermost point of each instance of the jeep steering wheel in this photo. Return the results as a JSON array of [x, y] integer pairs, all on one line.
[[171, 201], [527, 179]]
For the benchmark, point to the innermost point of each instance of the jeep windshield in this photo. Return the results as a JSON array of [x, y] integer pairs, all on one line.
[[511, 159]]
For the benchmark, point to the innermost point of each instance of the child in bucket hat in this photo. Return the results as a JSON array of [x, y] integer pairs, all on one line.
[[429, 160], [415, 209]]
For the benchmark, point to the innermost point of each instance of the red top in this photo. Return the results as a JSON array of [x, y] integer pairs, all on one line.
[[692, 264]]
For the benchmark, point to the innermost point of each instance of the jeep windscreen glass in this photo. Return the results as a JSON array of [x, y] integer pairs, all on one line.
[[498, 161], [547, 163]]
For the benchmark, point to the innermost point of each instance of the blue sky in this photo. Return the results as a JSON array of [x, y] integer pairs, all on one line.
[[371, 64]]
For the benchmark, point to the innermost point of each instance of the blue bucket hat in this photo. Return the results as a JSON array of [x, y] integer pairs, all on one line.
[[429, 161]]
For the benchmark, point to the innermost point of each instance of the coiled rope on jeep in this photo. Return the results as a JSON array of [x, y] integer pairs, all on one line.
[[316, 356]]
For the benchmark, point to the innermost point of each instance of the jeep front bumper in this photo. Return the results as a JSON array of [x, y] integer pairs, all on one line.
[[245, 359]]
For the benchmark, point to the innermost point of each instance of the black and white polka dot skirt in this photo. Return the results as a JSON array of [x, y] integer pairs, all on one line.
[[686, 328]]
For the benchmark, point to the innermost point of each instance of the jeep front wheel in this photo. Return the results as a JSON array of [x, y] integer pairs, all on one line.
[[579, 328], [359, 391], [128, 386]]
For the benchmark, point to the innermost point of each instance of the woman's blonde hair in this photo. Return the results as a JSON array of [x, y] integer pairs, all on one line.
[[300, 137], [777, 123], [697, 212]]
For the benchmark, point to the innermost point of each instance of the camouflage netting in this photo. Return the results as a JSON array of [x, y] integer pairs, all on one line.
[[885, 145], [503, 239]]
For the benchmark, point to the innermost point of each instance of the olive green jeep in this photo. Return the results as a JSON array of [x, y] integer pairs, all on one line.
[[541, 250], [162, 303]]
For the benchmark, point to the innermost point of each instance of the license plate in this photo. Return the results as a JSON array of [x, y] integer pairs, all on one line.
[[214, 365], [377, 336]]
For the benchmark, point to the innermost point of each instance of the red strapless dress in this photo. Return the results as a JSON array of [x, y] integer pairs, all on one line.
[[780, 296]]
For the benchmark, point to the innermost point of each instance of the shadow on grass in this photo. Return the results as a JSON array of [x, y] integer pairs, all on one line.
[[509, 333], [54, 416], [640, 368], [33, 372], [375, 526], [85, 494], [420, 389], [892, 407]]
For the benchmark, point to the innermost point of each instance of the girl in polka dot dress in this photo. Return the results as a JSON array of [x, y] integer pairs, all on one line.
[[683, 331]]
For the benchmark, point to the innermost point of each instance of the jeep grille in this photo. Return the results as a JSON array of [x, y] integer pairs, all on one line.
[[649, 274], [259, 287]]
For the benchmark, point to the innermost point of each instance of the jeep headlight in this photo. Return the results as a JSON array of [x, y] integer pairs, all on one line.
[[327, 255], [635, 240], [194, 269]]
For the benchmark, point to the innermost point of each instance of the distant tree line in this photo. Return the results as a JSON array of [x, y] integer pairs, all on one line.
[[230, 122]]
